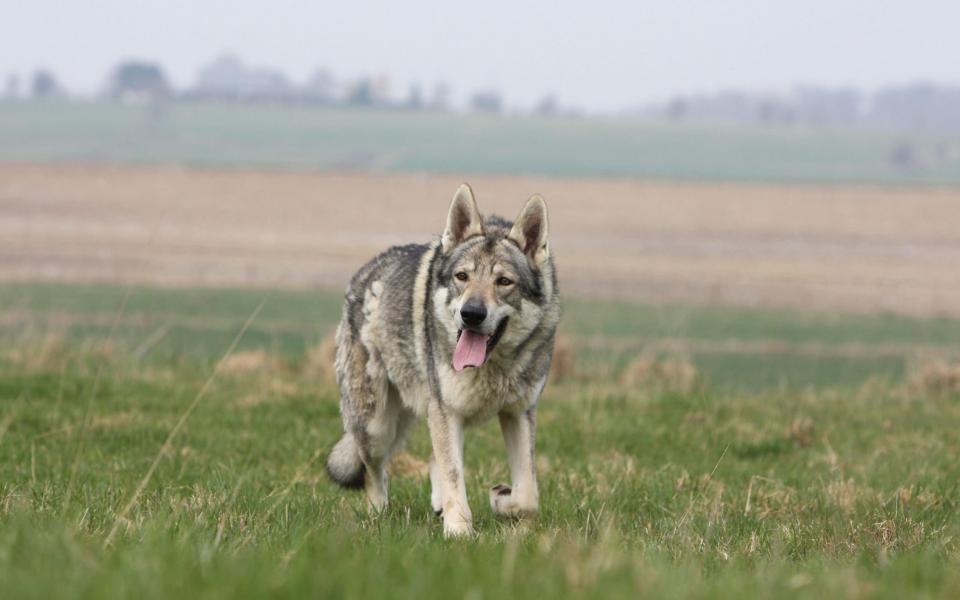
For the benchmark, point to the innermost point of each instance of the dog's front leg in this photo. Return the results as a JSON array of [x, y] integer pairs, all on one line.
[[519, 435], [446, 435]]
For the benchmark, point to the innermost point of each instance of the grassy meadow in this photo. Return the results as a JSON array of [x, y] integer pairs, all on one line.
[[683, 451], [402, 141]]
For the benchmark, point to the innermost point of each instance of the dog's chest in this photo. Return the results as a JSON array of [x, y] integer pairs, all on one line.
[[480, 393]]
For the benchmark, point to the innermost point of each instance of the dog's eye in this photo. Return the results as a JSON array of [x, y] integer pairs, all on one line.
[[461, 276], [504, 281]]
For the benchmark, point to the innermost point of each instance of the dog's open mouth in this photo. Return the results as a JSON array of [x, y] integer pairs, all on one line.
[[474, 347]]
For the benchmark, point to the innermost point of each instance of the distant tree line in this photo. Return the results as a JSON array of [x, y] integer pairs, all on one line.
[[914, 107], [230, 79]]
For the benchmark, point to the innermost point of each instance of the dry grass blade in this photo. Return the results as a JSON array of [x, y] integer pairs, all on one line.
[[5, 425], [297, 478], [686, 513], [179, 425], [85, 420], [148, 344]]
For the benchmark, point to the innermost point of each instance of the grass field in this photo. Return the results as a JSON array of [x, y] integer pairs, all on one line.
[[399, 141], [804, 459]]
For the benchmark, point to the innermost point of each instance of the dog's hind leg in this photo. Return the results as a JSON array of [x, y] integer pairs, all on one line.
[[359, 459], [386, 434], [373, 441], [373, 416], [382, 435]]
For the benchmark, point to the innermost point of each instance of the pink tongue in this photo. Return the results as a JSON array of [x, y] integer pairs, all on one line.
[[471, 350]]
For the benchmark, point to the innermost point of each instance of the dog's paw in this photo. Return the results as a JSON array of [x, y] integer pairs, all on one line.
[[376, 503], [457, 528], [457, 519], [505, 504]]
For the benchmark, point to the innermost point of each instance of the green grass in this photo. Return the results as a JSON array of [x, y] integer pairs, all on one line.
[[325, 138], [771, 348], [829, 487]]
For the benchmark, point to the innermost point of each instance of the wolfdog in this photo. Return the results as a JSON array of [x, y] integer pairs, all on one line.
[[455, 331]]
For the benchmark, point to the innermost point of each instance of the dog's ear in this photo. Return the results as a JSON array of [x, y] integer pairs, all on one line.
[[463, 220], [530, 230]]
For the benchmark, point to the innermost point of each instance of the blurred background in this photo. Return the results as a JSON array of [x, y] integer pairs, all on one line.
[[755, 215], [746, 193]]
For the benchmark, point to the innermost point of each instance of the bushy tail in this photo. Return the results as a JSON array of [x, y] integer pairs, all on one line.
[[344, 464]]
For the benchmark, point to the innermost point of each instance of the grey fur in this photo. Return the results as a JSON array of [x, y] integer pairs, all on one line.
[[344, 465], [396, 341]]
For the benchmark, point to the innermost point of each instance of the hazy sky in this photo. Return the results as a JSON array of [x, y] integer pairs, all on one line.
[[601, 55]]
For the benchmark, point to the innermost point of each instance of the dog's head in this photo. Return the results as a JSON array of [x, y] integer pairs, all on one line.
[[495, 275]]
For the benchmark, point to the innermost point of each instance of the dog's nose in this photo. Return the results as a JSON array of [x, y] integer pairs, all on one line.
[[473, 314]]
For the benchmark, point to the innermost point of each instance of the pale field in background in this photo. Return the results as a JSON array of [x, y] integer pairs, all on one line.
[[822, 247]]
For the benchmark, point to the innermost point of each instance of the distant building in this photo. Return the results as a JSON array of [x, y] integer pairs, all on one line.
[[45, 86], [724, 107], [11, 87], [486, 102], [138, 82], [807, 106], [321, 87], [828, 106], [367, 92], [916, 107], [547, 107], [228, 78], [440, 97], [381, 90], [922, 107], [414, 99], [360, 93]]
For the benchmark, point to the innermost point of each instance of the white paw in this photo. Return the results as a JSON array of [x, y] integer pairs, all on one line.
[[377, 504], [457, 521], [376, 498], [457, 528], [504, 503]]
